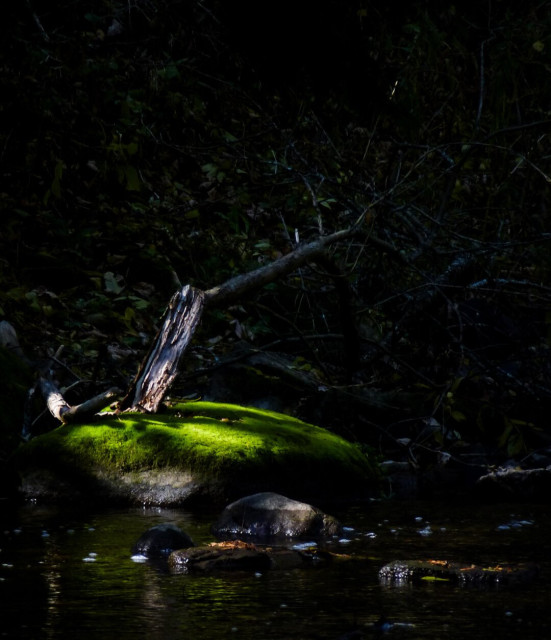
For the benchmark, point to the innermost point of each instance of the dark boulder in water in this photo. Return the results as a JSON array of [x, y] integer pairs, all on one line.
[[269, 515], [161, 540]]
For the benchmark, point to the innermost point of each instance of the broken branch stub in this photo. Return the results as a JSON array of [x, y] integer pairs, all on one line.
[[160, 367], [66, 413]]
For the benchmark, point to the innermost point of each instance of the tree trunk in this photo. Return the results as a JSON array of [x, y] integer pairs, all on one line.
[[160, 367]]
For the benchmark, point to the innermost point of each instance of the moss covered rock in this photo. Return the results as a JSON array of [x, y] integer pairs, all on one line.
[[195, 450]]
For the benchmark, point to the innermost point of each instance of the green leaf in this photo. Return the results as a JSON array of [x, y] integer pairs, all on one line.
[[111, 282], [434, 579], [458, 416], [56, 182]]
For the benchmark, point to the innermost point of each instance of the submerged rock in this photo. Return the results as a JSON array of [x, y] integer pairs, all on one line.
[[237, 555], [161, 540], [270, 515], [403, 571]]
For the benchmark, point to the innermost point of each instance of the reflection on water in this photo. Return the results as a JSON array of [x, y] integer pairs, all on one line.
[[67, 574]]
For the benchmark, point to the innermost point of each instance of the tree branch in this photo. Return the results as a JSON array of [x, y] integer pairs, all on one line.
[[234, 288], [64, 412]]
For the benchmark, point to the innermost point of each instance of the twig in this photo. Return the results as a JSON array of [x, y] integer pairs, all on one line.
[[36, 19]]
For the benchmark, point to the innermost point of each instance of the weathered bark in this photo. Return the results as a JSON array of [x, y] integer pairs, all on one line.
[[66, 413], [160, 366]]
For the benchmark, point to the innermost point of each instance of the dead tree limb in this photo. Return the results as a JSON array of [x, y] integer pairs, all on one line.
[[64, 412], [233, 289], [160, 366]]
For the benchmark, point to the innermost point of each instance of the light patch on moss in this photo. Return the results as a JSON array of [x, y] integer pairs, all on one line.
[[212, 438]]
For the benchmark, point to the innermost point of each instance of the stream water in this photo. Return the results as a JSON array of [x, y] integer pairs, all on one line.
[[69, 574]]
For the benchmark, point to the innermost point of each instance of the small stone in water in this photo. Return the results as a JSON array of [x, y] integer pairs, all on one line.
[[300, 546], [138, 558]]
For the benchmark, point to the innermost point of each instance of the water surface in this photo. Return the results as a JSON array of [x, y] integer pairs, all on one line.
[[69, 573]]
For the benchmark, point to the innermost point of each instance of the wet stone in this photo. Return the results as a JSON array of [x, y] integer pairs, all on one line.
[[403, 571], [234, 555], [268, 515], [161, 540]]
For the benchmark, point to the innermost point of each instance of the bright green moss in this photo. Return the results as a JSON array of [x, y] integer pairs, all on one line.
[[199, 434], [217, 442]]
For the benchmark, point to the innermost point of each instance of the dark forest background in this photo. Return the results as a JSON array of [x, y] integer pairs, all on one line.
[[149, 144]]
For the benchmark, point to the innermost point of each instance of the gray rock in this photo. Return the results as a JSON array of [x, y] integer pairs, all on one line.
[[161, 540], [270, 515]]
